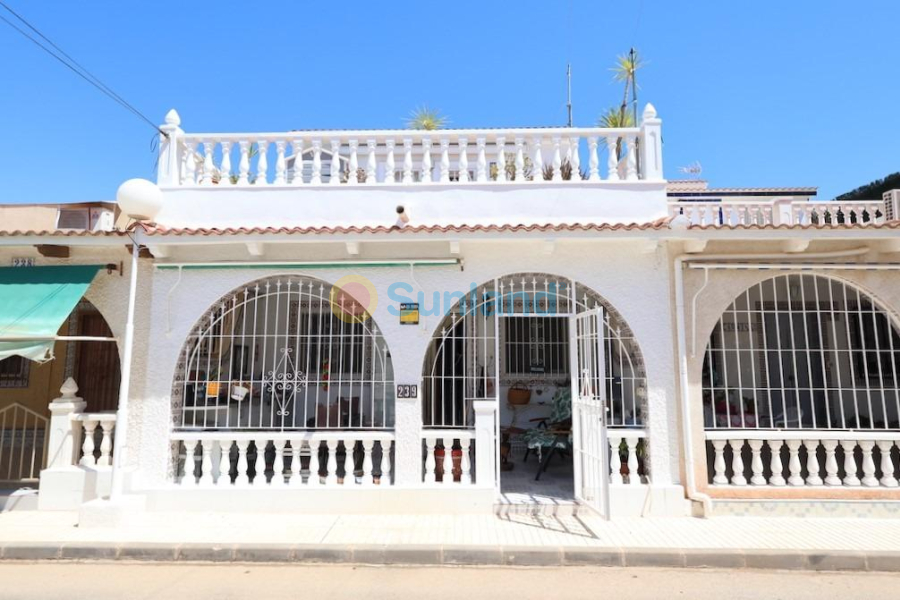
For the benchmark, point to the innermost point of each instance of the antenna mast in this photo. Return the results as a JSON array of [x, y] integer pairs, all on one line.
[[569, 92]]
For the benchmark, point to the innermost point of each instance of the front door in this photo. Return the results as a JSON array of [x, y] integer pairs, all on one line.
[[589, 441], [97, 365]]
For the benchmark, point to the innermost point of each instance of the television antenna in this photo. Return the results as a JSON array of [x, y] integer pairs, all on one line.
[[695, 169]]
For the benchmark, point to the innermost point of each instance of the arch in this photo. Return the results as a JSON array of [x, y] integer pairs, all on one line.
[[803, 351], [284, 353], [459, 363]]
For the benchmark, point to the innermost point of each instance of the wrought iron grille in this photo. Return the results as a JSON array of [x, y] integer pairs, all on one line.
[[802, 352], [285, 353]]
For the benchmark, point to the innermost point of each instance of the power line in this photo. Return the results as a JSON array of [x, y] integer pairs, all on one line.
[[73, 65]]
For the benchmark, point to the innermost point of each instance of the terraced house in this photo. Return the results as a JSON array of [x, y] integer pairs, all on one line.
[[450, 321]]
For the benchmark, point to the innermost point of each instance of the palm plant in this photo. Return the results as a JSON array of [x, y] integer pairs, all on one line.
[[615, 118], [426, 118], [625, 71]]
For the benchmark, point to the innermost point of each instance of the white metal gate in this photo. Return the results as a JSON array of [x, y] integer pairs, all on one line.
[[23, 444], [589, 439]]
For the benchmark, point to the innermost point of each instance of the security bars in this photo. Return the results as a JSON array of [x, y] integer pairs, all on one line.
[[802, 352], [285, 353]]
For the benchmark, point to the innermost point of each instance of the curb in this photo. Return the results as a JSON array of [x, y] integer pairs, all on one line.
[[437, 555]]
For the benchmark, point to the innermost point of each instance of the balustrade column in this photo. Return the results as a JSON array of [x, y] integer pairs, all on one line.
[[537, 159], [430, 465], [316, 177], [334, 175], [244, 163], [368, 474], [574, 159], [190, 163], [520, 160], [331, 477], [887, 465], [631, 173], [445, 161], [353, 165], [278, 463], [481, 174], [243, 464], [87, 444], [812, 462], [719, 462], [850, 468], [737, 462], [463, 160], [407, 160], [107, 426], [209, 169], [206, 477], [868, 464], [501, 158], [371, 163], [593, 160], [634, 477], [556, 160], [447, 463], [279, 162], [224, 463], [390, 164], [465, 463], [314, 466], [612, 159], [190, 463], [426, 176], [225, 168], [262, 163], [794, 466], [831, 466], [385, 478], [775, 465], [756, 463], [615, 460]]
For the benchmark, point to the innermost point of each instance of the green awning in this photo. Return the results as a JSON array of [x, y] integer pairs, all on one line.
[[34, 303]]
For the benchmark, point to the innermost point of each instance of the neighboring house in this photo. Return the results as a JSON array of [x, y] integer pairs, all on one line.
[[390, 340]]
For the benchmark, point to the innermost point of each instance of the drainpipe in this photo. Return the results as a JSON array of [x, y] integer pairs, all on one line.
[[121, 443], [687, 433]]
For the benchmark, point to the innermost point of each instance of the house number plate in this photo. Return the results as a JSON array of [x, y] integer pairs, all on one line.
[[407, 391]]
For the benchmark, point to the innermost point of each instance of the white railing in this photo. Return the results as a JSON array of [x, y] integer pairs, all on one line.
[[294, 459], [803, 458], [97, 438], [632, 444], [448, 456], [23, 448], [750, 212], [412, 157]]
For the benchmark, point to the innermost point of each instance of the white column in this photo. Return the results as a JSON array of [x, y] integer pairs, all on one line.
[[634, 477], [390, 164], [430, 462], [756, 463], [831, 466], [651, 145], [868, 464], [316, 178], [465, 462], [209, 169], [371, 163], [485, 443], [279, 162], [631, 173], [87, 444], [462, 162], [385, 462], [719, 462], [407, 160], [225, 167], [367, 475], [481, 174], [244, 163], [190, 463], [794, 463], [537, 159], [335, 165], [556, 160], [887, 465], [593, 160], [812, 462], [574, 158], [332, 465], [445, 161], [171, 151], [615, 460], [353, 164], [737, 462], [501, 158], [426, 175], [520, 161], [612, 161], [262, 163], [775, 465], [850, 468]]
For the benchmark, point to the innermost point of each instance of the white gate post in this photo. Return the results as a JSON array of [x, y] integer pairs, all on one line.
[[62, 482], [485, 444]]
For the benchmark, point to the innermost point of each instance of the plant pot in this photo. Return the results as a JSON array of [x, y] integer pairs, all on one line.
[[239, 392], [455, 457], [518, 396]]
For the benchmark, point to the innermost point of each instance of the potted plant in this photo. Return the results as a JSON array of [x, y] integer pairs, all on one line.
[[518, 395]]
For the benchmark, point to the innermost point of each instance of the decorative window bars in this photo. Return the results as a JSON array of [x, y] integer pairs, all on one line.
[[285, 353], [803, 352]]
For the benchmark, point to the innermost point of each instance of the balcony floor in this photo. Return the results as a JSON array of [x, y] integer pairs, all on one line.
[[555, 488]]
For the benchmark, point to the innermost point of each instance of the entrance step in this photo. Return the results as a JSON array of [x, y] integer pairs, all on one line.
[[18, 499]]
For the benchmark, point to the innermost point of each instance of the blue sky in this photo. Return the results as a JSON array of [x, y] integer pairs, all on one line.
[[764, 93]]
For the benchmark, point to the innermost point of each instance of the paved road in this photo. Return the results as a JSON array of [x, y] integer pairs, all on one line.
[[98, 581]]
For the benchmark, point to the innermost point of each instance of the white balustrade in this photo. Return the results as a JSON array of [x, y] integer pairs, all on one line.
[[771, 212], [97, 438], [626, 446], [813, 458], [290, 459], [208, 159], [448, 456]]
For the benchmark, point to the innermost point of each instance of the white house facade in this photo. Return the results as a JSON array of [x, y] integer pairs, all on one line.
[[463, 321]]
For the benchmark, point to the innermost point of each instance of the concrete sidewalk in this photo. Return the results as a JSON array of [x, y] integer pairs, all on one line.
[[826, 544]]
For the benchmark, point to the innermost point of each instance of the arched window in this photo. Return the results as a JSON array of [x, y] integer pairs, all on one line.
[[516, 329], [802, 352], [285, 353]]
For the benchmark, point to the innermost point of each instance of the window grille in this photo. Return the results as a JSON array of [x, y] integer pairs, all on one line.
[[802, 352], [14, 372], [285, 354]]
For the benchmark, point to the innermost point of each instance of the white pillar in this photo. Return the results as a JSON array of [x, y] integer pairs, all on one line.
[[485, 444], [651, 145], [62, 483]]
